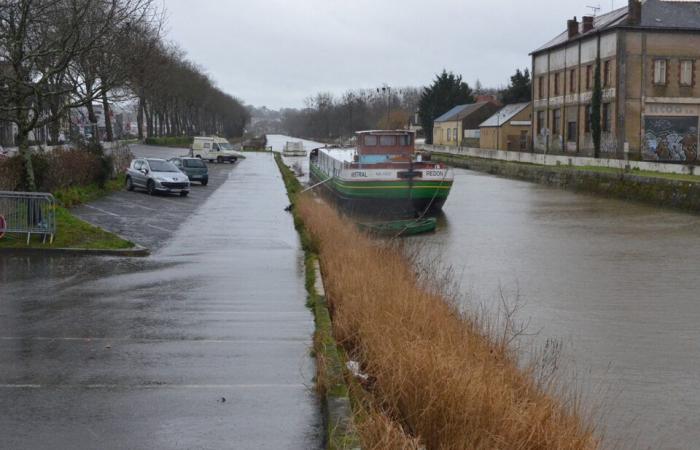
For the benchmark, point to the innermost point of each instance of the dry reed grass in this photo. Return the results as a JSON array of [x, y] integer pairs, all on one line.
[[440, 375]]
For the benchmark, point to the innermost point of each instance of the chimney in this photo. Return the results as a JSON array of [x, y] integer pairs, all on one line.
[[587, 23], [634, 12], [572, 26]]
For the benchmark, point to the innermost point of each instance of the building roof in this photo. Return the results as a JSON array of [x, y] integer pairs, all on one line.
[[460, 112], [503, 116], [671, 14], [663, 14]]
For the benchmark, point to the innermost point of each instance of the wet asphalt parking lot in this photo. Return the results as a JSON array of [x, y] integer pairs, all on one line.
[[203, 345], [150, 220]]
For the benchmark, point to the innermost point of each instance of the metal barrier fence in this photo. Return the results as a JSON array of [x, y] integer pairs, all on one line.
[[28, 212]]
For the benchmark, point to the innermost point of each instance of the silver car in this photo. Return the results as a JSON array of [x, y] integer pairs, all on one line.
[[156, 175]]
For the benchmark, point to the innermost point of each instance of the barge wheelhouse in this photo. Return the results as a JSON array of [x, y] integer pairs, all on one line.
[[383, 172]]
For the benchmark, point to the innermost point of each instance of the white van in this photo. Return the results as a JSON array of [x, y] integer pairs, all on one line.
[[214, 148]]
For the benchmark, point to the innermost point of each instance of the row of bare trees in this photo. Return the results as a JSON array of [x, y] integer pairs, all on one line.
[[326, 117], [58, 55]]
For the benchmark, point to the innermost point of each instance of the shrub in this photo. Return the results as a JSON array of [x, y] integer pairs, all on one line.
[[10, 173], [170, 141]]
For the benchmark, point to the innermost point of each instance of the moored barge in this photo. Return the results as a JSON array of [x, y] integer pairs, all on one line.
[[383, 173]]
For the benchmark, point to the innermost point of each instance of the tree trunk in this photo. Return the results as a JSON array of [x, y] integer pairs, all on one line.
[[92, 118], [108, 120], [139, 117], [23, 142]]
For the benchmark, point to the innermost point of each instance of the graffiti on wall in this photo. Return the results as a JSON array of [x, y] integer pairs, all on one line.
[[608, 143], [673, 139]]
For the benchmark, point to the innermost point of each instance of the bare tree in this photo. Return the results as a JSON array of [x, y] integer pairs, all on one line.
[[41, 45]]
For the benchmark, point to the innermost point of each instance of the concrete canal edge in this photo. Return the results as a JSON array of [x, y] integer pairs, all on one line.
[[620, 184], [331, 385]]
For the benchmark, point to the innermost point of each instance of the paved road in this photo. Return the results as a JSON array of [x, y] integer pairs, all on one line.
[[141, 353], [151, 220]]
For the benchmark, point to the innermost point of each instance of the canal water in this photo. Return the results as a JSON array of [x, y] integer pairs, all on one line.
[[615, 283]]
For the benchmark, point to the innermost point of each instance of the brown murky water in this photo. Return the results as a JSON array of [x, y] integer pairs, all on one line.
[[615, 282]]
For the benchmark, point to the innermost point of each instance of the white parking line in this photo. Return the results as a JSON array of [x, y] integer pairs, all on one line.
[[102, 210], [159, 228]]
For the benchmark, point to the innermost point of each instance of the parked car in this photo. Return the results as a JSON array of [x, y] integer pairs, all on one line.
[[194, 168], [156, 175], [214, 148]]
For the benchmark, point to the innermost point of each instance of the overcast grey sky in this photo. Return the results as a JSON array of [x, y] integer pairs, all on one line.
[[278, 52]]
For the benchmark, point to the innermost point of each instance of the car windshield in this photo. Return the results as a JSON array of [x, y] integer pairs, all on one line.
[[196, 163], [162, 166], [225, 146]]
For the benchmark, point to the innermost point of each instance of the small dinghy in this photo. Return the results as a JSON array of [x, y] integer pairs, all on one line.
[[398, 228]]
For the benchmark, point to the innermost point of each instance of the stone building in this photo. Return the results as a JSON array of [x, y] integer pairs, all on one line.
[[460, 125], [649, 53], [508, 129]]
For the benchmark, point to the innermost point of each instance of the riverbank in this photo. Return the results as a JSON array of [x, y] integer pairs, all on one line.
[[434, 377], [679, 191]]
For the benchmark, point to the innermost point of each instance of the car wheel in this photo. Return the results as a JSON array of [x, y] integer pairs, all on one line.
[[219, 160], [129, 184], [151, 187], [199, 156], [205, 182], [233, 160], [183, 193]]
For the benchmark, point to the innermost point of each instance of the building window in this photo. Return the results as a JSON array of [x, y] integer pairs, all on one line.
[[607, 118], [571, 132], [449, 134], [556, 84], [589, 77], [523, 140], [606, 73], [540, 122], [660, 72], [572, 81], [454, 133], [540, 87], [556, 123], [687, 72], [589, 114]]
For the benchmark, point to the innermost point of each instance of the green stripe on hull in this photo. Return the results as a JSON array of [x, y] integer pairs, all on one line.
[[388, 190]]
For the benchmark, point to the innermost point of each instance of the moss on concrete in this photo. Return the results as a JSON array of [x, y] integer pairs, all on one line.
[[330, 370]]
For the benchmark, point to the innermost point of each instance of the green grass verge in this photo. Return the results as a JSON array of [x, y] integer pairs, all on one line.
[[330, 372], [170, 141], [72, 232]]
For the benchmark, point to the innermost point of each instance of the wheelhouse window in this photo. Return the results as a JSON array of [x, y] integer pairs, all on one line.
[[660, 72], [405, 140], [687, 72], [370, 141], [387, 141]]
